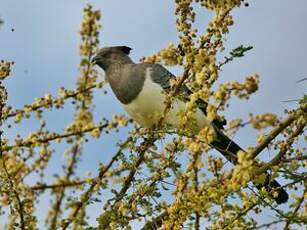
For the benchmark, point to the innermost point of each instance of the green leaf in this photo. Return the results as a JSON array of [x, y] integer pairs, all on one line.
[[240, 51]]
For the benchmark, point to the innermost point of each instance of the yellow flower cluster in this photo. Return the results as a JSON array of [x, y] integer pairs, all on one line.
[[204, 66], [120, 120], [89, 30], [5, 69], [263, 120], [83, 120], [222, 94], [215, 164], [242, 171], [211, 112], [217, 5], [207, 134], [194, 146], [89, 34], [48, 101], [251, 83], [242, 90], [169, 55]]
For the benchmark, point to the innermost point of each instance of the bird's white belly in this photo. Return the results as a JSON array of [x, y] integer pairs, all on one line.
[[148, 108]]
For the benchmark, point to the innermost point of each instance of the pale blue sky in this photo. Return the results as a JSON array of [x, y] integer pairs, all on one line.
[[45, 40]]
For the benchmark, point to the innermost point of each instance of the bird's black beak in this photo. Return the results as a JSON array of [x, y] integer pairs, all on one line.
[[95, 60]]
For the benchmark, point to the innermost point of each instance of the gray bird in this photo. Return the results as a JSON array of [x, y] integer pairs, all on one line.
[[141, 89]]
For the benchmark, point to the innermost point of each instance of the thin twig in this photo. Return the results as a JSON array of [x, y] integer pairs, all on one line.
[[42, 187], [267, 225], [298, 158], [55, 136], [275, 132], [70, 170], [299, 203], [54, 101], [238, 216], [281, 153], [86, 196]]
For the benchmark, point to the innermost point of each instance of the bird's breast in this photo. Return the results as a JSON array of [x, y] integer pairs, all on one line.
[[148, 108]]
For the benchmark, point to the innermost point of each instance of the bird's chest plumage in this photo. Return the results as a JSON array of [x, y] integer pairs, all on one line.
[[148, 108]]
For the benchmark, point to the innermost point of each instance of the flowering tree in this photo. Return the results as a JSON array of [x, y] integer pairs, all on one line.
[[205, 191]]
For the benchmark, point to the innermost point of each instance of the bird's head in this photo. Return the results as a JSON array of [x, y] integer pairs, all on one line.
[[107, 56]]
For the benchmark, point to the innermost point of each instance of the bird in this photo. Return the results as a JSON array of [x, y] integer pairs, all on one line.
[[141, 88]]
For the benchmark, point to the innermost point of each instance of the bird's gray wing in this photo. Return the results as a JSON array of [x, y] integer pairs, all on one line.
[[162, 76]]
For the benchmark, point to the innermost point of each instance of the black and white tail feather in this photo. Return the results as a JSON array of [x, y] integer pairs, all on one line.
[[228, 147]]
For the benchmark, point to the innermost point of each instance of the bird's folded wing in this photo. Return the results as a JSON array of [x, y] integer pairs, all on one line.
[[162, 76]]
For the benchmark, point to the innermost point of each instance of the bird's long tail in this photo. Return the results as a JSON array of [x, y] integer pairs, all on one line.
[[228, 147]]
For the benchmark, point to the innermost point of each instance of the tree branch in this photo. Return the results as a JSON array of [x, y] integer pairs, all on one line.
[[59, 185], [55, 136], [86, 196], [281, 153], [299, 203], [275, 132]]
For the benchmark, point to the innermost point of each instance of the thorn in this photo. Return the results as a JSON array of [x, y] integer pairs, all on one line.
[[292, 100], [301, 80]]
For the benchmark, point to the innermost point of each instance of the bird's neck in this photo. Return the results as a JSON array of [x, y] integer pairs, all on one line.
[[118, 59], [115, 65], [114, 73]]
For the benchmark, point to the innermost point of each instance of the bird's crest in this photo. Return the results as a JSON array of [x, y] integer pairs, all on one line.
[[125, 49]]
